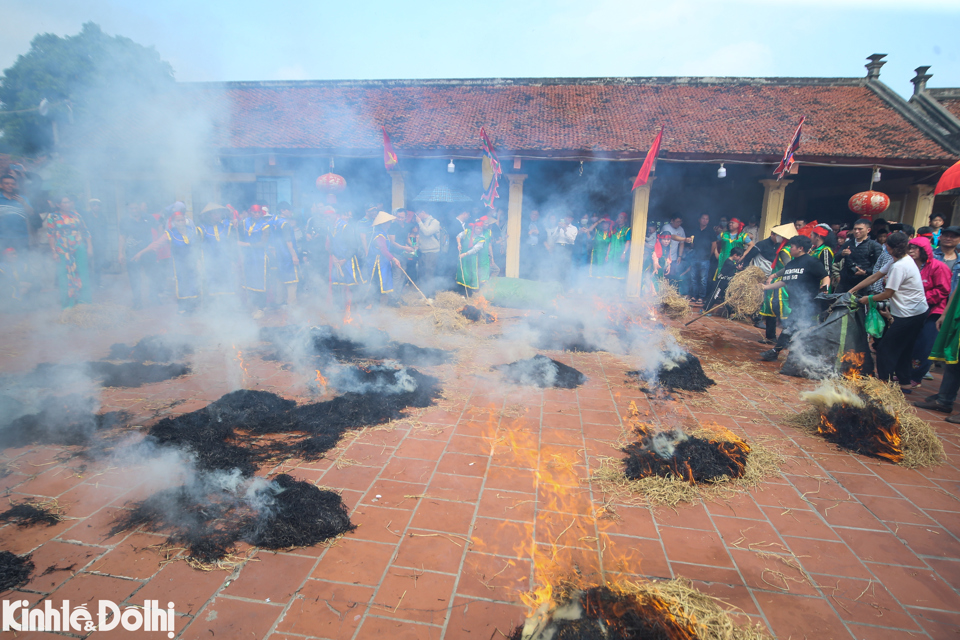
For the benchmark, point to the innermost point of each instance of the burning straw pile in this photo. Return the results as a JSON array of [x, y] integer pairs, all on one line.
[[671, 303], [870, 417], [745, 292], [667, 610], [542, 371], [669, 467]]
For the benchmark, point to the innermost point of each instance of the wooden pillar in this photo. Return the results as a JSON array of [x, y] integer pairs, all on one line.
[[919, 205], [514, 224], [638, 235], [773, 192], [397, 192]]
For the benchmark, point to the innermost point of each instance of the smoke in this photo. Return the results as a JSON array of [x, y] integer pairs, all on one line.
[[830, 393]]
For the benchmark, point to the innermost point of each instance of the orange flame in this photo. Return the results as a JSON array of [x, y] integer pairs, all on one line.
[[321, 381], [347, 318], [243, 365], [852, 364], [483, 305]]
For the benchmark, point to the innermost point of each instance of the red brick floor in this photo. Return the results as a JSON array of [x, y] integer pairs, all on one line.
[[452, 504]]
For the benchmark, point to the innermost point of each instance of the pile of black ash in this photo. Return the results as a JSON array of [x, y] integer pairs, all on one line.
[[64, 420], [321, 345], [224, 434], [26, 514], [215, 512], [14, 570], [135, 374], [600, 613], [674, 454], [49, 375], [161, 348], [475, 314], [684, 372], [542, 371], [554, 334]]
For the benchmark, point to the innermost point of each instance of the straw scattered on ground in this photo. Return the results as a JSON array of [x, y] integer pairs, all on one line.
[[449, 300], [447, 320], [33, 511], [919, 441], [671, 303], [96, 316], [763, 462], [745, 292]]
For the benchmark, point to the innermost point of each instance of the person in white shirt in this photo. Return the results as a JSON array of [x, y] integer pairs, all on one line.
[[908, 306]]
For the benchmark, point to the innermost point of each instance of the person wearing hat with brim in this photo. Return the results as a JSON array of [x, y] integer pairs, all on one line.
[[776, 303], [379, 259], [218, 237]]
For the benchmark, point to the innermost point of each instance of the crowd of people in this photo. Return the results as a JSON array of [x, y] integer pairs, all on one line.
[[343, 253]]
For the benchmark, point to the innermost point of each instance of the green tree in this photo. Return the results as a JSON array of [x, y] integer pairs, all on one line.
[[84, 78]]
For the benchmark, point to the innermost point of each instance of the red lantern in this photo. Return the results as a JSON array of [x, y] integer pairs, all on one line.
[[869, 203], [331, 183]]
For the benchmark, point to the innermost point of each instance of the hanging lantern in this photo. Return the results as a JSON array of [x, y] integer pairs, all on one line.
[[331, 183], [869, 203]]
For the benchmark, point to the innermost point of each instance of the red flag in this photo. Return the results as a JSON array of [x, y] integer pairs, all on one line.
[[389, 155], [949, 180], [788, 160], [648, 162]]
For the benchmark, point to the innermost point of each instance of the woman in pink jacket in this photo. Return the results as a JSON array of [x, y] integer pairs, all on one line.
[[936, 286]]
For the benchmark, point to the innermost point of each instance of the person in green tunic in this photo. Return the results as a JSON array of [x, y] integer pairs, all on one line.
[[485, 255], [776, 302], [618, 253], [470, 242], [601, 245], [824, 244], [732, 237], [946, 349]]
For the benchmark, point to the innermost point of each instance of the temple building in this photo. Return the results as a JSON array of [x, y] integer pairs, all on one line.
[[565, 145]]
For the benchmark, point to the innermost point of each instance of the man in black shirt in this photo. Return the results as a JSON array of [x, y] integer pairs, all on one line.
[[859, 254], [804, 276], [701, 243]]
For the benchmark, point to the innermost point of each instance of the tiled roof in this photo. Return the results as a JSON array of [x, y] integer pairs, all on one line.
[[949, 98], [574, 118]]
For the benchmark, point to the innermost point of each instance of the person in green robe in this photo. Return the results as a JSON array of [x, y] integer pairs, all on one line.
[[824, 245], [601, 245], [732, 237], [618, 253], [470, 243], [946, 349], [485, 255]]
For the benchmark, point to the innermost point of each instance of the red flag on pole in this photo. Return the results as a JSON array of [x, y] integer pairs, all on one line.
[[788, 160], [648, 162], [389, 155]]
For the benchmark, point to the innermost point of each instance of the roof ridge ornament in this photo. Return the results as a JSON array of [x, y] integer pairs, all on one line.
[[873, 67], [920, 80]]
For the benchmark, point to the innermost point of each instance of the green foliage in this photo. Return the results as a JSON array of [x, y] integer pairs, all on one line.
[[83, 77]]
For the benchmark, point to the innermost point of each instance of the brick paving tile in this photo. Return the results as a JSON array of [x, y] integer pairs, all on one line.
[[57, 562], [271, 577], [377, 627], [355, 561], [787, 613], [442, 515], [132, 559], [417, 596], [228, 618], [186, 587]]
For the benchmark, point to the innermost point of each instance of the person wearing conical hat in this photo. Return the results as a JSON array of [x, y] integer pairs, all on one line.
[[218, 237], [776, 302], [380, 261]]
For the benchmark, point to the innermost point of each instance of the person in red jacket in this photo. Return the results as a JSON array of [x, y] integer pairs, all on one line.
[[936, 286]]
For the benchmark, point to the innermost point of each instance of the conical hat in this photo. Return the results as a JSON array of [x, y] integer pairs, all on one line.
[[786, 231], [212, 207], [382, 217]]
